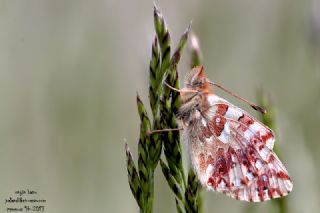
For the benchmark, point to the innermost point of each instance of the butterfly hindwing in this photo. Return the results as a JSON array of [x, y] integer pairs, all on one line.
[[231, 153]]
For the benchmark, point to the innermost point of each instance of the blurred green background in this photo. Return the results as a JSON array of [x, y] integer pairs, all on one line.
[[69, 72]]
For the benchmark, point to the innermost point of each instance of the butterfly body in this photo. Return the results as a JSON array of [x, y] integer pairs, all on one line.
[[231, 152]]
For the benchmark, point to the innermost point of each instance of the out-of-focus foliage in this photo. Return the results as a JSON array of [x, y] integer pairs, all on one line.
[[69, 72]]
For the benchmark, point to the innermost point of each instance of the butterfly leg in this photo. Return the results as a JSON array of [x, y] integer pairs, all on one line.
[[165, 130], [183, 90]]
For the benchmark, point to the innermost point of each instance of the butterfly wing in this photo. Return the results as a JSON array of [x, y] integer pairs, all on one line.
[[232, 153]]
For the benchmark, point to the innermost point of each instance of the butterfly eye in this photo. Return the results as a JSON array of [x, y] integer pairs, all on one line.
[[198, 82]]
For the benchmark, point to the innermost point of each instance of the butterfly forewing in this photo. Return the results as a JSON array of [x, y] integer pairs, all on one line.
[[231, 152]]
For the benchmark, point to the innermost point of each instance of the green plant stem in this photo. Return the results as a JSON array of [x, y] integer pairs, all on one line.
[[164, 103]]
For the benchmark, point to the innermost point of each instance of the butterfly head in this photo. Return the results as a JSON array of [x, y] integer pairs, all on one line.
[[196, 79], [196, 87]]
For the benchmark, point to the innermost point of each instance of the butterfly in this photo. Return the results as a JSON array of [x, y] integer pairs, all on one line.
[[231, 151]]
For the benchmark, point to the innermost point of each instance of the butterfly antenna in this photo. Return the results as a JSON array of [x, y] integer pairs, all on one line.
[[254, 106]]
